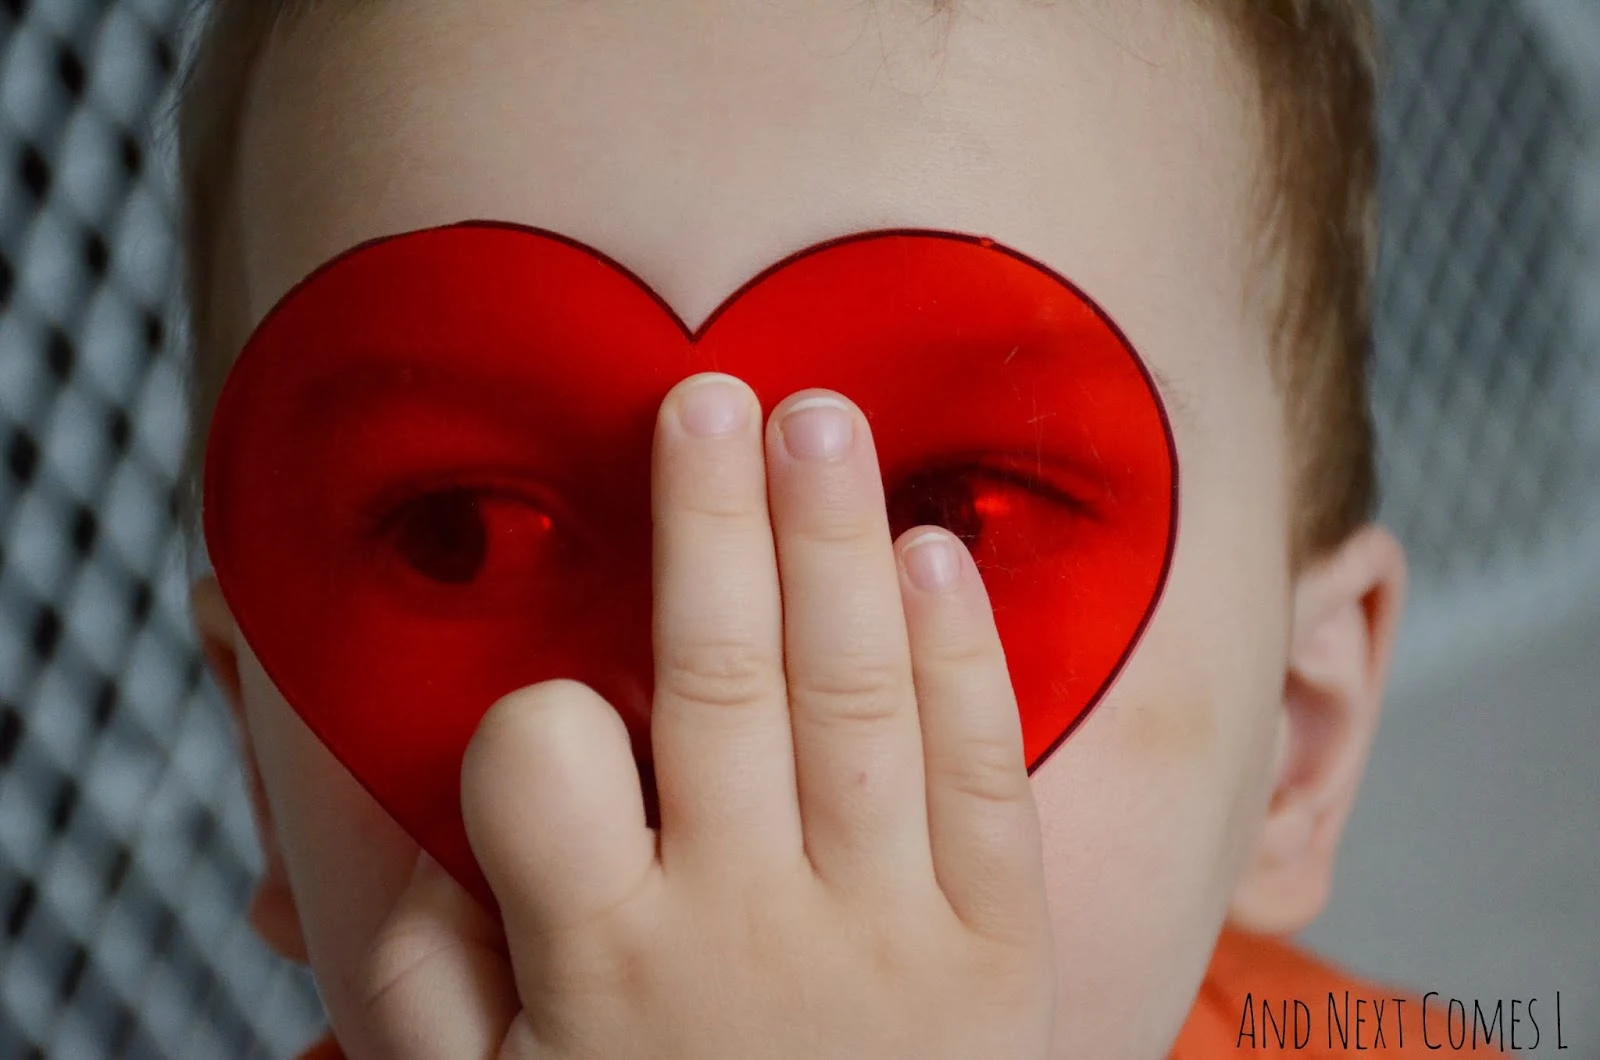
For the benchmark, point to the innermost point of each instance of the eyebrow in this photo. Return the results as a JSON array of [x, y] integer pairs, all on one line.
[[1174, 398]]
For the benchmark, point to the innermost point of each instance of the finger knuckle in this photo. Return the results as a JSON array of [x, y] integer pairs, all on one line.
[[895, 962], [836, 529], [1013, 975], [905, 942], [959, 651], [988, 769], [398, 964], [719, 673], [856, 691], [719, 505]]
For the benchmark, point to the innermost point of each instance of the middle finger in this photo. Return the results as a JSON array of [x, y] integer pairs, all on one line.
[[857, 741]]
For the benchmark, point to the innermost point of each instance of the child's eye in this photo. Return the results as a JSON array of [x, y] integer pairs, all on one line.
[[1004, 516], [457, 536], [496, 542]]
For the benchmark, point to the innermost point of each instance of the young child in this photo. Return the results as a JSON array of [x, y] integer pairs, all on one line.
[[1204, 170]]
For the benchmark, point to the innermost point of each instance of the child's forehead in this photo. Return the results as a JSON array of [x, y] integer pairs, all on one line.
[[699, 143]]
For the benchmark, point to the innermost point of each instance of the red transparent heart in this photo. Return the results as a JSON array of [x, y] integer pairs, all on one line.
[[427, 479]]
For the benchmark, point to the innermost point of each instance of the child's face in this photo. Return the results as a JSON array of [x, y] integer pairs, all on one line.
[[696, 144]]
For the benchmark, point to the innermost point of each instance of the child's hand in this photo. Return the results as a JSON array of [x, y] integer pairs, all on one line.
[[848, 863]]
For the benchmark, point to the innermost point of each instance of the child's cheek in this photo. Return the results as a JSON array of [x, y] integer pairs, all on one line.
[[1163, 720], [1150, 809], [347, 860], [1135, 813], [1174, 732], [1199, 697]]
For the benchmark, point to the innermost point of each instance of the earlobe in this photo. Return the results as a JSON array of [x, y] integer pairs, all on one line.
[[1345, 619], [272, 909]]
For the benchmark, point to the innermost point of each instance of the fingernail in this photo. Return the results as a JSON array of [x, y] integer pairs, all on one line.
[[713, 406], [817, 428], [932, 561]]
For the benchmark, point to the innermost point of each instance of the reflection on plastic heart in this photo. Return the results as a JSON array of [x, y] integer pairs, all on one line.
[[427, 480]]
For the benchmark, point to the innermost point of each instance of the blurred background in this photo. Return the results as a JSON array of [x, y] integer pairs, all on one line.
[[126, 847]]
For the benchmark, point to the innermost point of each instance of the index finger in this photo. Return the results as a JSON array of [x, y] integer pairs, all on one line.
[[724, 755]]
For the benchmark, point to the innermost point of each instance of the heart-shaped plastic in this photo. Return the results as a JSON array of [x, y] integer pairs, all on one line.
[[427, 478]]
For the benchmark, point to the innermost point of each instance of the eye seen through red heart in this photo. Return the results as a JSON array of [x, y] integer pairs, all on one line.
[[427, 480]]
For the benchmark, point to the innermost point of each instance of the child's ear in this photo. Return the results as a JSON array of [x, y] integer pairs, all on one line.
[[1346, 615], [272, 910]]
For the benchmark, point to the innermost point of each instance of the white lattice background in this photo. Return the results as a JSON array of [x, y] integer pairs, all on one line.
[[126, 850]]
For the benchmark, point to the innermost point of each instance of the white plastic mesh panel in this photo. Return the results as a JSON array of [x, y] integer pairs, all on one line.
[[126, 848]]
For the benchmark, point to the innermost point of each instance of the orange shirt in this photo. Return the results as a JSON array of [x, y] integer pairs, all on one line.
[[1337, 1015]]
